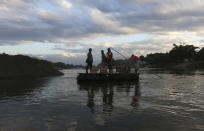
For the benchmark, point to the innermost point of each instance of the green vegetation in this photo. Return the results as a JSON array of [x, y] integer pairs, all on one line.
[[24, 66], [180, 57]]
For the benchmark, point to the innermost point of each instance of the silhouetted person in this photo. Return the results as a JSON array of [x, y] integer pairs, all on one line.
[[109, 57], [103, 58], [89, 60], [135, 62]]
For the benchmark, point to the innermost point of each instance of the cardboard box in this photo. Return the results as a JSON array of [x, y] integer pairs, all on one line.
[[94, 70], [103, 70]]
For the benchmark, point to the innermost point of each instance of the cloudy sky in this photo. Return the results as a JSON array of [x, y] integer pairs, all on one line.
[[63, 30]]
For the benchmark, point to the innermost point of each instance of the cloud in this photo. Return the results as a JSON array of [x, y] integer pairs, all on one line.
[[65, 4], [81, 24], [107, 24], [49, 16], [61, 58], [48, 21]]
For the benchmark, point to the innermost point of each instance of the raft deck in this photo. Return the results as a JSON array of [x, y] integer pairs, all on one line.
[[108, 77]]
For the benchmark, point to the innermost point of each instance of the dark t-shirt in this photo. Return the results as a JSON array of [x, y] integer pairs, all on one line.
[[103, 58], [89, 58]]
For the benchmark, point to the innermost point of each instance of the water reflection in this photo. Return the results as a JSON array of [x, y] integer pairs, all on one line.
[[172, 102], [19, 87], [107, 92], [135, 98]]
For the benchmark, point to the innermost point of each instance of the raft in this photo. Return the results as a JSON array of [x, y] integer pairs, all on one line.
[[86, 77]]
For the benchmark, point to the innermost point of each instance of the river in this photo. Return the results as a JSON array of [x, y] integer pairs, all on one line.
[[159, 101]]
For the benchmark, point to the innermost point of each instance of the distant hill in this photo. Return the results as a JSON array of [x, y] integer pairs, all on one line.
[[25, 66], [60, 65]]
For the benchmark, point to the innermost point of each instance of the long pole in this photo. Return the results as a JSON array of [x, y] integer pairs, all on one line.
[[127, 58], [158, 76], [119, 53]]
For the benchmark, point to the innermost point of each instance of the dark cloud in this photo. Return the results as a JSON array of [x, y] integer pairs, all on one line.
[[26, 20], [153, 15], [69, 21]]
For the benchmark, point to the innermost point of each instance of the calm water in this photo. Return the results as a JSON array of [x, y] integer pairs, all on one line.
[[159, 101]]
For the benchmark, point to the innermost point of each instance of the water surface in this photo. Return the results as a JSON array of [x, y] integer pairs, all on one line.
[[159, 101]]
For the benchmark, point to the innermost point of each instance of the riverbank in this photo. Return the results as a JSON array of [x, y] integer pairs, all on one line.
[[180, 57], [182, 66], [14, 66]]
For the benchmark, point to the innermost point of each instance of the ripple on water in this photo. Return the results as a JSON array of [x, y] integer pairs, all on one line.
[[168, 102]]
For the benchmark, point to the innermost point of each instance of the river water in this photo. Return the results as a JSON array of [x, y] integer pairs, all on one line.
[[159, 101]]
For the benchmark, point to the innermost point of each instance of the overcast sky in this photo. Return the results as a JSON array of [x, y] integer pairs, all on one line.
[[63, 30]]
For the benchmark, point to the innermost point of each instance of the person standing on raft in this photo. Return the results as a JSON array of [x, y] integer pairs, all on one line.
[[135, 61], [103, 59], [109, 57], [89, 60]]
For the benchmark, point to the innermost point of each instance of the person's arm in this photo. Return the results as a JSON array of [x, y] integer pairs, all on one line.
[[91, 57]]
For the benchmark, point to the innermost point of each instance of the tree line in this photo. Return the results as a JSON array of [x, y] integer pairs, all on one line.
[[178, 54]]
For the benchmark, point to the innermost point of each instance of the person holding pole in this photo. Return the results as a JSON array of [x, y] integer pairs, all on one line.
[[103, 59], [109, 57], [135, 61]]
